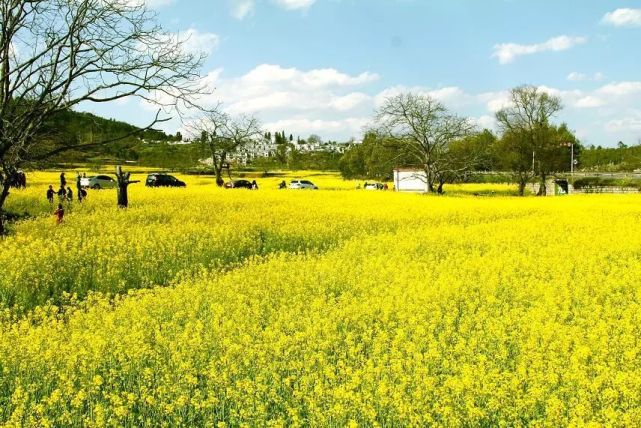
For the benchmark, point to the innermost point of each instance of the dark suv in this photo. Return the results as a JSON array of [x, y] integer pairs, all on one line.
[[163, 180], [238, 184]]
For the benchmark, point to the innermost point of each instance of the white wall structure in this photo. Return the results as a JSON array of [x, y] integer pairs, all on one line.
[[410, 180]]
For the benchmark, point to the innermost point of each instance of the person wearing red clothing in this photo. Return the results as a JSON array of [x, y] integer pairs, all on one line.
[[59, 213]]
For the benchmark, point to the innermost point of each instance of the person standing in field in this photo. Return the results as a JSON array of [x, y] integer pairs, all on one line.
[[21, 180], [50, 194], [63, 180], [62, 194], [79, 187], [69, 194], [59, 213]]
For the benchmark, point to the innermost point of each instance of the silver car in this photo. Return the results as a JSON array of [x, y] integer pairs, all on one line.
[[302, 184], [98, 182]]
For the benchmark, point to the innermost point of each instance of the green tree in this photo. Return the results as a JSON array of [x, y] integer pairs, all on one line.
[[514, 152], [374, 158], [527, 131]]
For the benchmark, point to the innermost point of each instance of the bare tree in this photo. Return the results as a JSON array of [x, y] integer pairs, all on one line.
[[528, 145], [424, 130], [224, 136], [56, 54]]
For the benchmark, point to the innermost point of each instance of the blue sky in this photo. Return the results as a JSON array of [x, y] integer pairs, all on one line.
[[322, 66]]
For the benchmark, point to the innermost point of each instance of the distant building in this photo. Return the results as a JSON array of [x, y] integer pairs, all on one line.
[[410, 180]]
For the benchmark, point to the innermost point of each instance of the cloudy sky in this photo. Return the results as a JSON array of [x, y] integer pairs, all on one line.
[[322, 66]]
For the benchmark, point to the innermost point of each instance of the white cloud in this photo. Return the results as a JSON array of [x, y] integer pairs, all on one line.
[[322, 100], [581, 77], [495, 101], [577, 77], [508, 52], [630, 123], [623, 18], [317, 78], [350, 101], [621, 89], [451, 96], [338, 105], [240, 9], [615, 96], [484, 122], [151, 4], [589, 102], [194, 41], [295, 4], [330, 77]]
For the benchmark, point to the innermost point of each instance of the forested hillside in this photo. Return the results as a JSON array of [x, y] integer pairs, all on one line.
[[149, 147]]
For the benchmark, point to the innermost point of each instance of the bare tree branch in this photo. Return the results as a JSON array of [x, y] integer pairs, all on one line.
[[57, 54]]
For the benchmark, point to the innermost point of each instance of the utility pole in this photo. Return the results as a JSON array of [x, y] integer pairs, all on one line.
[[533, 169], [571, 158], [570, 144]]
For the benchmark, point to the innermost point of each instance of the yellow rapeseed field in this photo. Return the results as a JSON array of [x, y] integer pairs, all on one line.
[[211, 307]]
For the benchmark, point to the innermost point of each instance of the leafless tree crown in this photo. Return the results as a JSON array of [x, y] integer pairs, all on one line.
[[56, 54], [222, 135], [529, 109], [425, 129]]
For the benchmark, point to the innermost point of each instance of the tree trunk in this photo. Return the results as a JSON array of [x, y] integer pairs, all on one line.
[[123, 198], [522, 184], [439, 190], [218, 169], [3, 197], [429, 177], [123, 187], [219, 177]]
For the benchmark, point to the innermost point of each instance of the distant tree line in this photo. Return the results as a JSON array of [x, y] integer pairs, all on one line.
[[611, 159], [419, 131]]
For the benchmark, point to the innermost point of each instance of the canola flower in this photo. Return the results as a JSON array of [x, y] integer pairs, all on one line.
[[366, 309], [170, 234]]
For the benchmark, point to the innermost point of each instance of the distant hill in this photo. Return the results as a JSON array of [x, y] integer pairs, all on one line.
[[149, 148]]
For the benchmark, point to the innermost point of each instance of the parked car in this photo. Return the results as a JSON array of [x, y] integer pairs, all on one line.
[[163, 180], [302, 184], [98, 182], [374, 186], [238, 184]]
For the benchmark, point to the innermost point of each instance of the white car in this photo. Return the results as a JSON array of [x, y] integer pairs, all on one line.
[[98, 182], [302, 184]]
